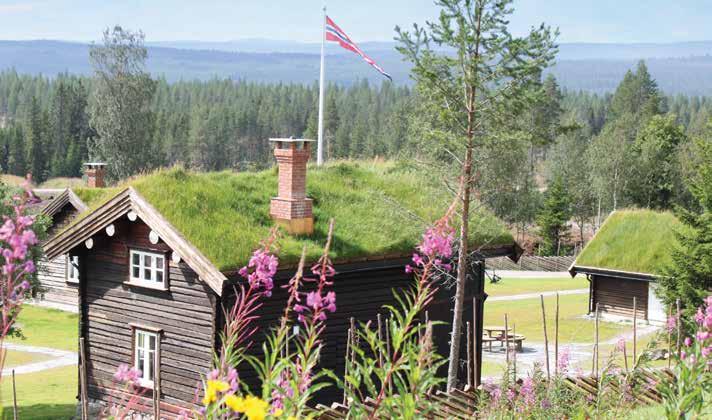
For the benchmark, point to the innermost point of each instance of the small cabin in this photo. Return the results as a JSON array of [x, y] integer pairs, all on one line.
[[59, 278], [158, 259], [623, 261]]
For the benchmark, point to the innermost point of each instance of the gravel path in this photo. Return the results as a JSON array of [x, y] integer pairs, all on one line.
[[60, 358], [531, 274]]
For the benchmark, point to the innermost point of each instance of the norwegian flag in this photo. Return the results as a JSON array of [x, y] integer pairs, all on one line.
[[335, 34]]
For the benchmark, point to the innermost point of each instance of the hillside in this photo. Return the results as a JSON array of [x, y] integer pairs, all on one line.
[[679, 68]]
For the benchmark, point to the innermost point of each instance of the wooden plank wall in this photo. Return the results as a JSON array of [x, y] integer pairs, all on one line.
[[52, 274], [185, 313], [361, 292], [615, 296]]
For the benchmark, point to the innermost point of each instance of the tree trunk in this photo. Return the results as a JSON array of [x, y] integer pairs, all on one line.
[[462, 265]]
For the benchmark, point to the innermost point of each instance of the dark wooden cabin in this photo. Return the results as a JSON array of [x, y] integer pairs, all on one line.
[[58, 278], [623, 261], [152, 298]]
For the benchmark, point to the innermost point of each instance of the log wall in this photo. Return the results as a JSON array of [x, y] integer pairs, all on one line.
[[615, 296], [185, 314], [52, 275]]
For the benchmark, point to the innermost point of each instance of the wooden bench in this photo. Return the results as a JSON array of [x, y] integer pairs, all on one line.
[[516, 341]]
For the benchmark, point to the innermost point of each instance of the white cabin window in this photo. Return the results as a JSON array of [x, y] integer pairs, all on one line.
[[73, 268], [148, 269], [145, 356]]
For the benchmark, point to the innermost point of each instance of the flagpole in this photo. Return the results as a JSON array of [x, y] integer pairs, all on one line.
[[320, 138]]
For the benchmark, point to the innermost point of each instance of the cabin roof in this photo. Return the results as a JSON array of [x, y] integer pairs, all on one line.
[[380, 210], [56, 200], [635, 243]]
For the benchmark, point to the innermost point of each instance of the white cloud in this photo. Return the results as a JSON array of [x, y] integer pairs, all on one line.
[[6, 9]]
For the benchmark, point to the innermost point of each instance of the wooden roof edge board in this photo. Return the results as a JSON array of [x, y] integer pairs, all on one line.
[[174, 239], [630, 275], [83, 229], [67, 196]]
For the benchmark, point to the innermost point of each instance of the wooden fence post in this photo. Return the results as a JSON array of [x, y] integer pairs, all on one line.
[[14, 397], [347, 361], [546, 338], [469, 355], [83, 394], [596, 353], [678, 324], [514, 354], [506, 339], [556, 337], [669, 337], [635, 331], [380, 340], [157, 379]]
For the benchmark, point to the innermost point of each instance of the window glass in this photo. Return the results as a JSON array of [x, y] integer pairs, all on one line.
[[145, 356], [148, 269]]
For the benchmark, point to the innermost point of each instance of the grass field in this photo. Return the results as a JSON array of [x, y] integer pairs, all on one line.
[[62, 183], [50, 394], [515, 286], [48, 328], [12, 180], [526, 315]]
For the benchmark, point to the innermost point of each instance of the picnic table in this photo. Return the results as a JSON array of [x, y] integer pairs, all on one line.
[[502, 334]]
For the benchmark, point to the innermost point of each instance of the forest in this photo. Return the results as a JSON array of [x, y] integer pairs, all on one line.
[[572, 156]]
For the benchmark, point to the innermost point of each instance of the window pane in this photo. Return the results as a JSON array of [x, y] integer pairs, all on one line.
[[135, 258], [136, 272], [140, 339], [152, 342], [159, 263], [159, 277], [147, 274], [146, 260]]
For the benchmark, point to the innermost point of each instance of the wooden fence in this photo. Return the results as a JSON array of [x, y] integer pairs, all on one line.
[[531, 263], [460, 404]]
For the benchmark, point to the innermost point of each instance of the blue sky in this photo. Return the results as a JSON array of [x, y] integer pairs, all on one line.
[[364, 20]]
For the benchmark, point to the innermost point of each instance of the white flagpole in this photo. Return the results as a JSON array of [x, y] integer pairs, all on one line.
[[320, 138]]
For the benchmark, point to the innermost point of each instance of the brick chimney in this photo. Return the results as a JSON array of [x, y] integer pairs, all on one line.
[[291, 208], [95, 174]]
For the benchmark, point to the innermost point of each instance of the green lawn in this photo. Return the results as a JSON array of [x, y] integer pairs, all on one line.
[[50, 394], [515, 286], [526, 315], [48, 328], [16, 358]]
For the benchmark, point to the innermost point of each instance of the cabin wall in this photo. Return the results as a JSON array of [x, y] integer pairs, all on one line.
[[185, 314], [361, 290], [615, 296], [52, 275]]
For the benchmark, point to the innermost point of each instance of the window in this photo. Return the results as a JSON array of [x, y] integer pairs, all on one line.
[[73, 268], [148, 269], [145, 356]]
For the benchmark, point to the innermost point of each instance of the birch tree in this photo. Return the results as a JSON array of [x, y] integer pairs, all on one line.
[[472, 76]]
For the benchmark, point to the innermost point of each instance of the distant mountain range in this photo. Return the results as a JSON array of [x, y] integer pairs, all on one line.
[[678, 67]]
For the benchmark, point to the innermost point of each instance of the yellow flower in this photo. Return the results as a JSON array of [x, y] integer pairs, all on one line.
[[278, 412], [291, 418], [255, 408], [236, 404], [211, 390]]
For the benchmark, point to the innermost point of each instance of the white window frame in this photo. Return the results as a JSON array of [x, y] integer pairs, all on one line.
[[72, 274], [145, 354], [152, 279]]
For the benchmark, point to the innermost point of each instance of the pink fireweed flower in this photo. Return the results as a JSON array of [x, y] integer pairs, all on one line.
[[260, 270], [526, 391], [620, 345], [127, 374], [564, 360], [688, 342]]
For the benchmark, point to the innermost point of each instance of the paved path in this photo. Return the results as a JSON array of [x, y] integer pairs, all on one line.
[[531, 274], [536, 295], [580, 353], [60, 358]]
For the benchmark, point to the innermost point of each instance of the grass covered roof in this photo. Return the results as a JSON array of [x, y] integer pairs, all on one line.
[[379, 209], [637, 241]]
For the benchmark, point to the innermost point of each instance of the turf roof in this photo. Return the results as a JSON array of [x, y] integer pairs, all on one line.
[[637, 241], [379, 209]]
